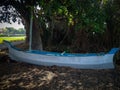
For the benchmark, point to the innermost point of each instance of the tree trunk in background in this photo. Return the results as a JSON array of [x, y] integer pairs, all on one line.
[[36, 37], [81, 43], [109, 33]]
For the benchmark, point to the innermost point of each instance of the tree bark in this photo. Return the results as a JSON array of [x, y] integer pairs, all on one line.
[[36, 34], [25, 14], [36, 37]]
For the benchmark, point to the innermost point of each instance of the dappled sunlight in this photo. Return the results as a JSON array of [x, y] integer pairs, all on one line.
[[26, 76], [30, 79]]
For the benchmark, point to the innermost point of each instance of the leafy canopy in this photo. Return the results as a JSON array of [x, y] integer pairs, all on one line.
[[81, 14]]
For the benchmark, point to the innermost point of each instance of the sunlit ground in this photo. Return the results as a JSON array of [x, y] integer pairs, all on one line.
[[14, 75], [12, 38]]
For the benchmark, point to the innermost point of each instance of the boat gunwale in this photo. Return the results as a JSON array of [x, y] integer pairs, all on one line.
[[112, 51]]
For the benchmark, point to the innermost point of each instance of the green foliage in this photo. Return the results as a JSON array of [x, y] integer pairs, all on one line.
[[8, 14], [82, 14], [87, 15], [116, 21], [13, 31]]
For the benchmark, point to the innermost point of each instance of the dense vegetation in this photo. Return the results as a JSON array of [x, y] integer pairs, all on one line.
[[71, 25], [10, 31], [12, 34]]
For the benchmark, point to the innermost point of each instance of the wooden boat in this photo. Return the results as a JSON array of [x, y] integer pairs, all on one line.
[[82, 61]]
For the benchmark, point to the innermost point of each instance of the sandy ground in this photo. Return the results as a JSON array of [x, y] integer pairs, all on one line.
[[23, 76]]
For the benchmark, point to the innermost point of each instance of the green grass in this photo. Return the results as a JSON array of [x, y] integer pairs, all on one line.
[[12, 38]]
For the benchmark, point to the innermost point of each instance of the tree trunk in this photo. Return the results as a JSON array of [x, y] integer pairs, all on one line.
[[36, 37], [25, 14], [109, 33], [22, 9]]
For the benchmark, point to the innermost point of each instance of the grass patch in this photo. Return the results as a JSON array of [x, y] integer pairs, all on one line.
[[12, 38]]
